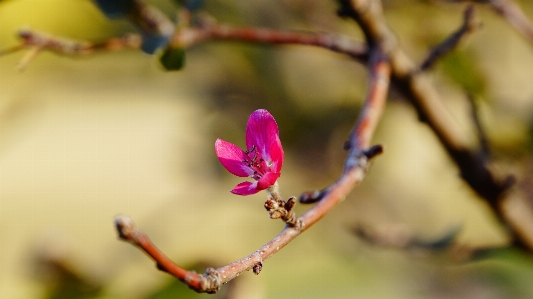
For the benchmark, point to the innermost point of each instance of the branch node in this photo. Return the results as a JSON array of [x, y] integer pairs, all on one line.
[[356, 158], [211, 281], [278, 208], [257, 268]]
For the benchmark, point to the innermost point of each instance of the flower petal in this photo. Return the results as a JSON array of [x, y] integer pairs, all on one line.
[[262, 132], [231, 157], [267, 180], [276, 154], [246, 188]]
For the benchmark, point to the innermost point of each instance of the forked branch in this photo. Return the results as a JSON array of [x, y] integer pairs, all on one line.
[[469, 25], [512, 13], [417, 88]]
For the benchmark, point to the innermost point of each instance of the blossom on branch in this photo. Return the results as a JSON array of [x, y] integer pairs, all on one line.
[[262, 159]]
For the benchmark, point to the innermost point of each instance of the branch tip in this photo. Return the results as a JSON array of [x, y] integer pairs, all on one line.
[[470, 24], [310, 197], [125, 227], [289, 205], [373, 151]]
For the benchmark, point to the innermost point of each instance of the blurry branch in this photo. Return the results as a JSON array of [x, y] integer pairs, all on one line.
[[401, 237], [186, 37], [511, 12], [209, 30], [398, 236], [469, 25], [380, 72], [355, 169], [36, 42], [416, 87], [484, 151]]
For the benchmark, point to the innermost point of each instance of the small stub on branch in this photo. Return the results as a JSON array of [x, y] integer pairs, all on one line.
[[257, 268], [310, 197], [374, 151]]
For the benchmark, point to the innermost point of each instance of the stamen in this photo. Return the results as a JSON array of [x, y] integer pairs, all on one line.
[[254, 160]]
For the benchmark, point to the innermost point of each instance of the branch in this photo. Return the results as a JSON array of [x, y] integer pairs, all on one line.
[[211, 281], [355, 170], [484, 151], [127, 231], [399, 236], [207, 31], [380, 72], [38, 41], [186, 37], [469, 25], [511, 12], [418, 89]]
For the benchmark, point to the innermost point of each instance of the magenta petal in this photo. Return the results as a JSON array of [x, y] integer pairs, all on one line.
[[276, 154], [262, 131], [267, 180], [231, 157], [245, 188]]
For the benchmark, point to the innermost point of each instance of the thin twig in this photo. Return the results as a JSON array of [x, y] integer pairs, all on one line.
[[190, 36], [469, 25], [37, 42], [511, 12], [129, 232]]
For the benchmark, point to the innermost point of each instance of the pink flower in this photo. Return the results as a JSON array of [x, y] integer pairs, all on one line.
[[263, 158]]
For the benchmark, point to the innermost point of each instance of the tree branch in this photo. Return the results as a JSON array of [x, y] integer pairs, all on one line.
[[511, 12], [416, 87], [186, 37], [469, 25], [189, 36], [38, 41], [355, 170], [211, 281]]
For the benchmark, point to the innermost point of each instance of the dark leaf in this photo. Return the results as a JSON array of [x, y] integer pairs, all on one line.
[[115, 8], [173, 59]]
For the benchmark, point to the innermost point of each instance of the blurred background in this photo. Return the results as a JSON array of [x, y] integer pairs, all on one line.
[[84, 139]]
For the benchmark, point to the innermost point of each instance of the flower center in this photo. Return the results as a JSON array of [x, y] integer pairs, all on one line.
[[256, 163]]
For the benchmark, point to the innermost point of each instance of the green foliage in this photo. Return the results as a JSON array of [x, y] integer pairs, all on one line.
[[115, 8], [173, 59]]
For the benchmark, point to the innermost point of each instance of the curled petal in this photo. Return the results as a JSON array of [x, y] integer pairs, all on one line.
[[276, 154], [267, 180], [245, 188], [231, 157], [262, 132]]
